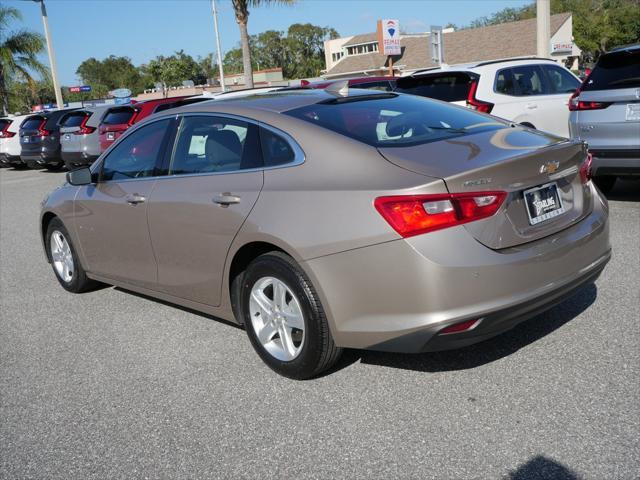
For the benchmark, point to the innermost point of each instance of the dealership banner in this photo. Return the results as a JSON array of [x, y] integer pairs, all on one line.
[[389, 37]]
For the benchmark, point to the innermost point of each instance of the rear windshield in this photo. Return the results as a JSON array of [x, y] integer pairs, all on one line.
[[179, 103], [73, 119], [391, 120], [118, 116], [4, 123], [448, 87], [32, 123], [615, 70]]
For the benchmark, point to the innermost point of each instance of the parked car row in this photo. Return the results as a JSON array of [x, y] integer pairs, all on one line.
[[73, 136]]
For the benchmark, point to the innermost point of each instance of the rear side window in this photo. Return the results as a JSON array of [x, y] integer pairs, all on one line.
[[448, 87], [4, 123], [209, 144], [118, 116], [560, 81], [73, 119], [615, 70], [275, 149], [504, 83], [391, 120], [528, 81], [32, 123]]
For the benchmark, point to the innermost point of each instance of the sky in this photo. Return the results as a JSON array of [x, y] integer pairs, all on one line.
[[143, 29]]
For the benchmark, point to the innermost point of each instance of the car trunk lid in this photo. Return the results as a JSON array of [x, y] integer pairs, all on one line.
[[513, 160]]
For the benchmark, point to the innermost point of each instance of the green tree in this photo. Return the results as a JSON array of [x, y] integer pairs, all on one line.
[[18, 54], [173, 70], [241, 9], [305, 46], [111, 73]]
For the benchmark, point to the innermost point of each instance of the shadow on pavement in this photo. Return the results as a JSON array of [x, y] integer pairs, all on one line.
[[542, 468], [481, 353], [625, 191]]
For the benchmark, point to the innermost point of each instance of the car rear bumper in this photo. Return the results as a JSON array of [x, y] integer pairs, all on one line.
[[398, 296], [617, 162], [78, 157], [7, 159]]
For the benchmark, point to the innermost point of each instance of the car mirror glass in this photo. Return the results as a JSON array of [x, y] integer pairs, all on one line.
[[79, 176]]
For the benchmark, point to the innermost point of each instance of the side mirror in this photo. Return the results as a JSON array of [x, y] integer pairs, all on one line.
[[79, 176]]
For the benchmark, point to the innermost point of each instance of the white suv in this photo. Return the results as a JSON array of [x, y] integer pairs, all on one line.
[[531, 91]]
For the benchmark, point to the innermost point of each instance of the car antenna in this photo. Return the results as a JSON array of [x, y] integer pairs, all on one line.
[[340, 88]]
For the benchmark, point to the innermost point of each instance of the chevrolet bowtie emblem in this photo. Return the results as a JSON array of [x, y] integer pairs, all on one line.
[[550, 167]]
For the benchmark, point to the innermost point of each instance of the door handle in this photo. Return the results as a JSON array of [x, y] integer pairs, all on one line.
[[226, 199], [532, 106], [134, 199]]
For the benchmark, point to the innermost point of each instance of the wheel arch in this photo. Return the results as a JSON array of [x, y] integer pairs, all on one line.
[[45, 220]]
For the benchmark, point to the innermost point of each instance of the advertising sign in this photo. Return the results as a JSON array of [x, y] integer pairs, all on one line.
[[389, 37], [562, 47], [80, 88], [123, 101]]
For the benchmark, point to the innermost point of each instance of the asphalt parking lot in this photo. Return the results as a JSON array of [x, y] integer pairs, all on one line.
[[109, 384]]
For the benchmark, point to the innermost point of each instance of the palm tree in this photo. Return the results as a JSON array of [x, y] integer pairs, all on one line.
[[18, 54], [241, 8]]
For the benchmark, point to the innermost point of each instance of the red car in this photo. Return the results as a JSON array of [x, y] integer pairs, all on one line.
[[386, 84], [119, 118]]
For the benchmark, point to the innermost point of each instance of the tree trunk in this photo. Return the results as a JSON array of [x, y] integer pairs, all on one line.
[[246, 54], [4, 94]]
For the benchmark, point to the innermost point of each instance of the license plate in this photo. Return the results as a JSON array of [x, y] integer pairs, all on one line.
[[111, 136], [543, 203], [633, 112]]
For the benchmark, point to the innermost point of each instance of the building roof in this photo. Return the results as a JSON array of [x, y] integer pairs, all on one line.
[[363, 38], [513, 39]]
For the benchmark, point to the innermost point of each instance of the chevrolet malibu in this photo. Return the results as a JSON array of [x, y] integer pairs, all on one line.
[[331, 219]]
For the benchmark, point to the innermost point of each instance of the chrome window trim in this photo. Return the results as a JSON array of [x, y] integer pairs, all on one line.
[[299, 156]]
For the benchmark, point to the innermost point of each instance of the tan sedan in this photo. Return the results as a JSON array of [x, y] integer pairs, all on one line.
[[322, 220]]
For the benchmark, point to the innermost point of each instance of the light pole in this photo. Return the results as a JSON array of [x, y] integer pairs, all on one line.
[[52, 58], [543, 21], [215, 24]]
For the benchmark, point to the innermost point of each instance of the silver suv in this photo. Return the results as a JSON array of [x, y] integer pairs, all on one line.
[[605, 113]]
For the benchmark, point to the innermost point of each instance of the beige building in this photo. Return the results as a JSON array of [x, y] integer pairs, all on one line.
[[358, 55]]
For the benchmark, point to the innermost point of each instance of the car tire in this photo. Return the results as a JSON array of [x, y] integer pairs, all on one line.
[[311, 347], [70, 165], [54, 167], [605, 183], [64, 259]]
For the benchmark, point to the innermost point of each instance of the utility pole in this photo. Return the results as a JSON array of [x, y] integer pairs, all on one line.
[[52, 57], [543, 24], [215, 24]]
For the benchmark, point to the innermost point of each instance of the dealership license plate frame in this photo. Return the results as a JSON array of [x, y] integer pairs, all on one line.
[[633, 112], [547, 215]]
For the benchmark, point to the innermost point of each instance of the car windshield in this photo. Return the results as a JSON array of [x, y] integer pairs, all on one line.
[[32, 123], [118, 116], [615, 70], [73, 119], [391, 120]]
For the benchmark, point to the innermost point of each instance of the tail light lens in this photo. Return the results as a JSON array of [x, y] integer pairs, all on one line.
[[411, 215], [132, 120], [474, 103], [459, 327], [5, 133], [575, 104], [84, 130], [585, 169], [43, 132]]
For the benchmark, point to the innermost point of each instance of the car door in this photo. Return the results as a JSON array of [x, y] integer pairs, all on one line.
[[111, 215], [214, 179], [560, 84]]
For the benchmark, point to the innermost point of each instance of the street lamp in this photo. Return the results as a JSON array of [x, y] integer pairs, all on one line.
[[215, 24], [52, 58]]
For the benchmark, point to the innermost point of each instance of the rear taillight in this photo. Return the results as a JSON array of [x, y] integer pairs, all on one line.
[[585, 168], [43, 132], [5, 133], [132, 120], [411, 215], [459, 327], [474, 103], [84, 130], [575, 104]]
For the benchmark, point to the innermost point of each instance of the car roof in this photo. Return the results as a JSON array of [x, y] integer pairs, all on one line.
[[277, 101], [465, 67], [632, 47]]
